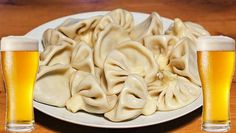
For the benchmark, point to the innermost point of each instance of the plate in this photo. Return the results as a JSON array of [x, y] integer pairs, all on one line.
[[92, 120]]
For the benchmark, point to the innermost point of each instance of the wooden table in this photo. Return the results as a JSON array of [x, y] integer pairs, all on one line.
[[17, 17]]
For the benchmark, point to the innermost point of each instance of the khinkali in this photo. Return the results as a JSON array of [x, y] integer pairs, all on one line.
[[183, 60], [56, 54], [82, 58], [52, 85], [161, 46], [129, 58], [106, 65], [88, 95], [54, 37], [133, 101], [149, 27], [80, 29], [186, 29], [172, 91], [119, 17], [108, 39]]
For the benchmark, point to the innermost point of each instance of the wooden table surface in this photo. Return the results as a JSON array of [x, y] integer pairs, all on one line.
[[17, 17]]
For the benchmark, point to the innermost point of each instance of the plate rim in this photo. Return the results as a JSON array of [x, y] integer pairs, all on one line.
[[123, 126], [197, 101]]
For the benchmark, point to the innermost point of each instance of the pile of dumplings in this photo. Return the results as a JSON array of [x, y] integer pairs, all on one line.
[[107, 65]]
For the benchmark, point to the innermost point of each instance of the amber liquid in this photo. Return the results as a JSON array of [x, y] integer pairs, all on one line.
[[216, 69], [19, 70]]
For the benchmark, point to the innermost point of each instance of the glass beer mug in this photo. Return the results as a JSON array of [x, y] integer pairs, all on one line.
[[19, 58], [216, 59]]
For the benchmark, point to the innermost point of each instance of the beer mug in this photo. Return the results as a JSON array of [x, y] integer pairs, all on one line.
[[216, 59], [19, 56]]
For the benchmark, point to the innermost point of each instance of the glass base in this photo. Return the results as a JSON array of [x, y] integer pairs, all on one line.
[[216, 127], [20, 127]]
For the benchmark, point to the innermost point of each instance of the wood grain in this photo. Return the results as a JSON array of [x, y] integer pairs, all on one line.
[[18, 17]]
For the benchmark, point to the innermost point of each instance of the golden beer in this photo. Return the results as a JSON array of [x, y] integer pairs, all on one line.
[[216, 59], [19, 65]]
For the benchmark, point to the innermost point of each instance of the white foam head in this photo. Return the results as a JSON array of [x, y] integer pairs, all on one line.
[[18, 43], [215, 43]]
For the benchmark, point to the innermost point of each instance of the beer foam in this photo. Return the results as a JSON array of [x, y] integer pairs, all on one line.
[[215, 43], [18, 43]]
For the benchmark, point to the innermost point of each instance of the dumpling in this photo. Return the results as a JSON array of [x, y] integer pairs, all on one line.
[[149, 27], [122, 18], [183, 60], [133, 101], [52, 85], [196, 29], [186, 29], [119, 17], [172, 91], [54, 37], [56, 54], [161, 46], [80, 29], [82, 58], [88, 95], [129, 58], [100, 75], [108, 39], [75, 81], [105, 20]]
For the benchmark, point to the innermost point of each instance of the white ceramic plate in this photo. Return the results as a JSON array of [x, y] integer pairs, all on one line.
[[87, 119]]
